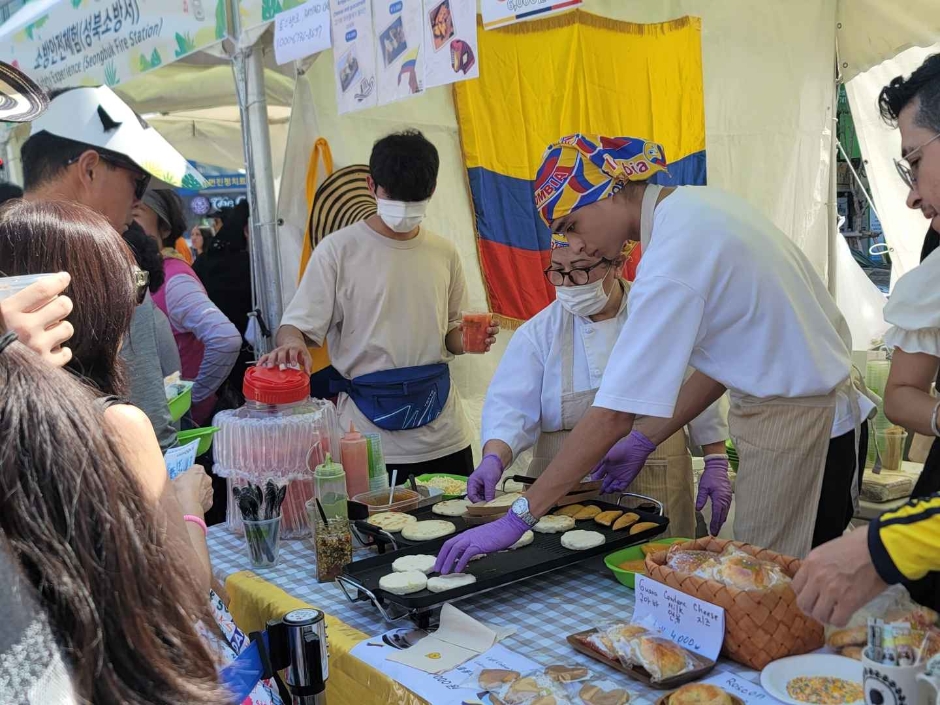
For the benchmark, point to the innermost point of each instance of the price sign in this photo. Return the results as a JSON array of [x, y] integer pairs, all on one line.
[[302, 32], [695, 624]]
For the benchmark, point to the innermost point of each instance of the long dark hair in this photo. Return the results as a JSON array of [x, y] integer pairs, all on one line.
[[72, 515], [147, 253], [62, 236]]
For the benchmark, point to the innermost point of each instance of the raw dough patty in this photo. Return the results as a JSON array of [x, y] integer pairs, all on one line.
[[551, 524], [451, 507], [581, 540], [427, 530], [442, 583], [419, 563], [403, 583]]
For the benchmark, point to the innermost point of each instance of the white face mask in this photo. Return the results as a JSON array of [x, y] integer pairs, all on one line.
[[584, 300], [402, 216]]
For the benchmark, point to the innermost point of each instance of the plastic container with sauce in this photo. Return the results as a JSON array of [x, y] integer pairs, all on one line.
[[475, 336], [280, 434], [404, 500], [330, 487], [355, 451]]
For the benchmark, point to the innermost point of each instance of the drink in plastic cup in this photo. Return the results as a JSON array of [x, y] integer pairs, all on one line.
[[475, 324], [13, 285], [264, 541]]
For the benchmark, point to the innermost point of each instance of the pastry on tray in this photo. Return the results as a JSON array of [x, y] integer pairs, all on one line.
[[690, 561], [628, 519], [392, 522], [589, 512], [569, 511], [493, 678], [552, 524], [662, 658], [567, 674], [637, 566], [642, 526], [699, 694], [609, 517], [595, 695], [427, 530], [745, 572]]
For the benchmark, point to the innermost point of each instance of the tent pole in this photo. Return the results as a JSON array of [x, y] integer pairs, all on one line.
[[265, 259]]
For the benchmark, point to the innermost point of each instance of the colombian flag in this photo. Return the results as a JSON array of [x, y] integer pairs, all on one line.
[[548, 78]]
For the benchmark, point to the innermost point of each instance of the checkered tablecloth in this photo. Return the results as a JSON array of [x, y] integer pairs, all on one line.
[[543, 610]]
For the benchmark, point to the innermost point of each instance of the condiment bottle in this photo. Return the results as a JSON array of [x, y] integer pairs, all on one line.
[[355, 450], [330, 487]]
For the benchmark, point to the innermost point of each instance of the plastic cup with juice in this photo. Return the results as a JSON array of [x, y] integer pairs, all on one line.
[[475, 325]]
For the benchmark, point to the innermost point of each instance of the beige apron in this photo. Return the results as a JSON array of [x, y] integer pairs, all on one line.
[[782, 446], [667, 475]]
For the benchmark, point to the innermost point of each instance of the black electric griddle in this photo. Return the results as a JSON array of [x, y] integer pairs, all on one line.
[[382, 539], [360, 579]]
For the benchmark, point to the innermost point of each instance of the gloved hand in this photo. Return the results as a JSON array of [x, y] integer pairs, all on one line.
[[495, 536], [715, 484], [483, 481], [623, 462]]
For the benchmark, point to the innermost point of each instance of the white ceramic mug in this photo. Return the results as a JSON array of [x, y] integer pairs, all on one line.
[[892, 685], [930, 682]]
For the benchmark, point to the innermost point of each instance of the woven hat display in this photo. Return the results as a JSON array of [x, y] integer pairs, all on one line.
[[341, 200], [760, 625]]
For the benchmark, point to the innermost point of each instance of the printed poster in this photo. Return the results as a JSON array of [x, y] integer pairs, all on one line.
[[450, 42], [500, 13], [398, 49], [353, 54]]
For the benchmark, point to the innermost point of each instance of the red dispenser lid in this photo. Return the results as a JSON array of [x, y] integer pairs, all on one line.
[[272, 385]]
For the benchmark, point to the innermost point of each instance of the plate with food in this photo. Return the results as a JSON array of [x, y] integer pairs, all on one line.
[[627, 563], [821, 679], [453, 486]]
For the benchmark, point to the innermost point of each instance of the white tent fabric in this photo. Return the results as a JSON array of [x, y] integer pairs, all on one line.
[[904, 229]]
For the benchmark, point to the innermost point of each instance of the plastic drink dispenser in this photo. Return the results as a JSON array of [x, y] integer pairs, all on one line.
[[330, 481], [279, 434], [355, 453]]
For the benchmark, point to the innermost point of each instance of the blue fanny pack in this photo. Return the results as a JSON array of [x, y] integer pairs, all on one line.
[[398, 400]]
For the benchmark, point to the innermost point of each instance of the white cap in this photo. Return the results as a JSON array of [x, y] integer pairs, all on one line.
[[96, 116]]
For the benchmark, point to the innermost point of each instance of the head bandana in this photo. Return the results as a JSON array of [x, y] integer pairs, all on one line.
[[579, 170]]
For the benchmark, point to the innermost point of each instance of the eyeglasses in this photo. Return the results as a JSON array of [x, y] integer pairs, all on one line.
[[141, 179], [578, 276], [908, 171], [142, 282]]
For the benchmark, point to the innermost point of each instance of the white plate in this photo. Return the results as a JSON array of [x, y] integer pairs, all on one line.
[[775, 676]]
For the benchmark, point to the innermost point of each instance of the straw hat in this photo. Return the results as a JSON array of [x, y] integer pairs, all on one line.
[[21, 100], [341, 200]]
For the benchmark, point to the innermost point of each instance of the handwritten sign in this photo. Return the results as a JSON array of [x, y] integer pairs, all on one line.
[[180, 459], [695, 624], [750, 693], [302, 32]]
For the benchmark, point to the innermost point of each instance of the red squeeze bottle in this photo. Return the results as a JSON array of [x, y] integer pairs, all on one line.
[[474, 331], [355, 452]]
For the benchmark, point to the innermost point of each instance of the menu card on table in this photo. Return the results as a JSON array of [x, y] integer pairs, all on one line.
[[697, 625]]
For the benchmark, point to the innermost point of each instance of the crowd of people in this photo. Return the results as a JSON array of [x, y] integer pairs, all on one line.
[[727, 332]]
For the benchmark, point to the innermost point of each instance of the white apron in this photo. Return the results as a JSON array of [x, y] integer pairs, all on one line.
[[667, 475]]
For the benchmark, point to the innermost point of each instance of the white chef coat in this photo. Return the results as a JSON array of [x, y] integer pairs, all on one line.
[[721, 289], [384, 304], [524, 396], [914, 309]]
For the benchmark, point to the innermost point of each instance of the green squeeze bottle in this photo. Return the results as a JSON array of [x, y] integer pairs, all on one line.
[[329, 481]]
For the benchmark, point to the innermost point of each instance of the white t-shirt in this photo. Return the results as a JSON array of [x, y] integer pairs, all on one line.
[[914, 309], [721, 289], [385, 304], [524, 396]]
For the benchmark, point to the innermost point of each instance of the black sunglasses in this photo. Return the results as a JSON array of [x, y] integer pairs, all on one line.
[[141, 179]]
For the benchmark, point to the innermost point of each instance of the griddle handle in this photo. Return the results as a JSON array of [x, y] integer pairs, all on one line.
[[347, 582], [643, 497], [382, 538]]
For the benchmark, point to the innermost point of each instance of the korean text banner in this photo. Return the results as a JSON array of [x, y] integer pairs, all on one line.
[[548, 78], [87, 43]]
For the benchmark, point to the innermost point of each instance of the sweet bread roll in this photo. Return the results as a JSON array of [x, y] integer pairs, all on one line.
[[628, 519], [626, 631], [567, 674], [588, 512], [853, 652], [699, 694], [691, 561], [661, 657], [595, 695], [522, 691], [853, 636], [493, 678], [746, 572]]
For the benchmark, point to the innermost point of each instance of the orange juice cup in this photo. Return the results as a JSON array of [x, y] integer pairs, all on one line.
[[475, 325]]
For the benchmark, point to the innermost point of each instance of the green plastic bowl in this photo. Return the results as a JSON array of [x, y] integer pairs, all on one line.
[[204, 435], [633, 553], [180, 404], [461, 478]]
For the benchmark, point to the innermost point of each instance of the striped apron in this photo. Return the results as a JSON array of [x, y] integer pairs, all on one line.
[[667, 475]]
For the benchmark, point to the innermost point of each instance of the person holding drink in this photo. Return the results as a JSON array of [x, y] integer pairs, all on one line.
[[361, 283]]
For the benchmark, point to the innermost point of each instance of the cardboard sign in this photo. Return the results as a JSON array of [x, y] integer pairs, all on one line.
[[697, 625], [302, 32]]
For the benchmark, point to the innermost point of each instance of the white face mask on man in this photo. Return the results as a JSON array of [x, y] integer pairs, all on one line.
[[584, 300], [402, 216]]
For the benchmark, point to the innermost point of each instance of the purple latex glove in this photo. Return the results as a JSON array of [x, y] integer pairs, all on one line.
[[623, 462], [715, 484], [495, 536], [482, 483]]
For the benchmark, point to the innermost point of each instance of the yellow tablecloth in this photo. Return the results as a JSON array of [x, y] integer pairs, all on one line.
[[254, 601]]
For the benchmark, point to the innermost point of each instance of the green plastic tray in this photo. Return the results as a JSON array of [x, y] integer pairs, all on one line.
[[204, 435], [425, 478], [633, 553], [180, 404]]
